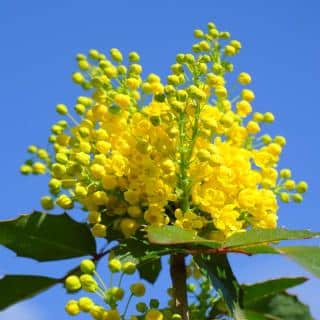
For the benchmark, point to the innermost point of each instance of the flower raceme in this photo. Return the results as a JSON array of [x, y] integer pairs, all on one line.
[[186, 151]]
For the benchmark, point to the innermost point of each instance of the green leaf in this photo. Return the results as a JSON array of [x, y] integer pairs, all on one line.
[[281, 306], [222, 278], [307, 256], [150, 270], [45, 237], [260, 236], [252, 315], [15, 288], [260, 290], [172, 235]]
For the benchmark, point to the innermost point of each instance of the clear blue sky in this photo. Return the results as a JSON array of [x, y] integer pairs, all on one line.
[[39, 39]]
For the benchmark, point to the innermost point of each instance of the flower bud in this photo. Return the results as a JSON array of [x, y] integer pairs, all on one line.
[[88, 283], [244, 78], [302, 187], [134, 57], [154, 314], [141, 307], [198, 33], [99, 230], [297, 197], [25, 169], [114, 265], [87, 266], [285, 173], [154, 303], [72, 283], [72, 308], [138, 289], [47, 203], [116, 55], [268, 117], [85, 304], [129, 267], [78, 78], [284, 197], [94, 54]]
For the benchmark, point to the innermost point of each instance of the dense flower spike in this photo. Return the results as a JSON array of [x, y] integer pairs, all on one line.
[[188, 151]]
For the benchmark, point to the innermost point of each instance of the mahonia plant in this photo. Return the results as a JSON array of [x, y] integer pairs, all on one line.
[[139, 151]]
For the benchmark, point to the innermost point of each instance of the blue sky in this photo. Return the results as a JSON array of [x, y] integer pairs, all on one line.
[[39, 40]]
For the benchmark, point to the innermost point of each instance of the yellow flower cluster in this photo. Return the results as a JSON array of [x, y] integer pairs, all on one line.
[[187, 151]]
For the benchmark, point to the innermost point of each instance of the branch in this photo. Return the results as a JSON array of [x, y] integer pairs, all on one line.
[[179, 283]]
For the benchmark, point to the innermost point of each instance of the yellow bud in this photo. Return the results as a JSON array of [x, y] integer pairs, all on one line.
[[97, 171], [257, 116], [134, 212], [128, 226], [297, 197], [88, 283], [204, 46], [72, 308], [173, 79], [284, 197], [109, 182], [116, 55], [243, 108], [82, 158], [136, 69], [94, 54], [302, 187], [129, 267], [43, 154], [94, 217], [72, 283], [253, 127], [99, 230], [244, 78], [133, 83], [289, 184], [122, 100], [154, 314], [224, 35], [39, 168], [47, 203], [114, 265], [236, 44], [87, 266], [247, 94], [229, 50], [85, 304], [64, 202], [61, 109], [83, 65], [214, 33], [111, 72], [32, 149], [111, 315], [280, 140], [268, 117], [221, 92], [78, 78], [134, 57], [138, 289], [266, 139], [25, 169], [198, 33], [117, 293], [285, 173]]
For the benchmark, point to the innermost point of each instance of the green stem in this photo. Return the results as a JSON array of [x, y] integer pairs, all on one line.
[[127, 306]]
